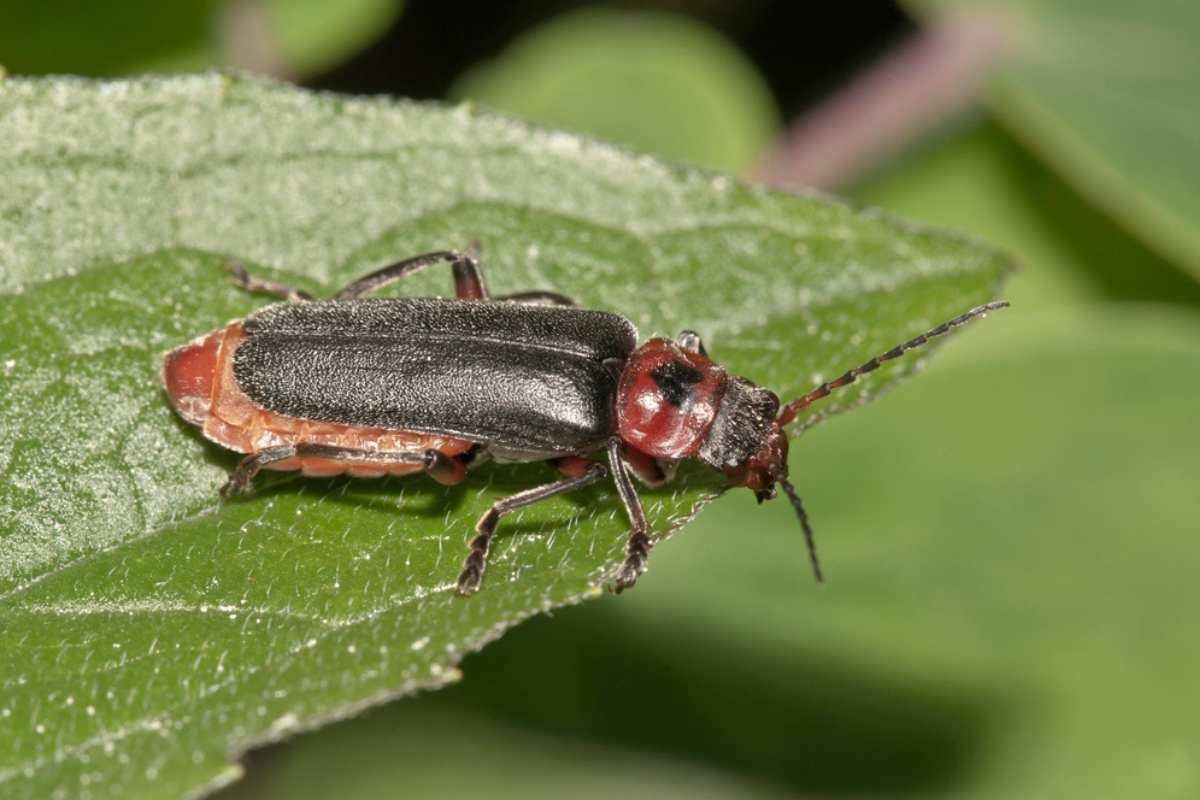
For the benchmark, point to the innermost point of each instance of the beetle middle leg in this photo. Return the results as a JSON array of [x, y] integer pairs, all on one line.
[[586, 472]]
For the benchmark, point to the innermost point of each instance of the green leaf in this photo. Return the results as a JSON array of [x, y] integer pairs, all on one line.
[[1105, 91], [424, 750], [313, 35], [980, 181], [662, 83], [147, 632]]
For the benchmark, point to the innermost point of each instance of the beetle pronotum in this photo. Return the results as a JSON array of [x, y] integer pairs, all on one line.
[[372, 386]]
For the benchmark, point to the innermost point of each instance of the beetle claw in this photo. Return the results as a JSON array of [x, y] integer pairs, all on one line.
[[233, 487], [468, 582], [628, 575]]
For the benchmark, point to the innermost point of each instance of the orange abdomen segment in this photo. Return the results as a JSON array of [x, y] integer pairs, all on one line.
[[237, 422]]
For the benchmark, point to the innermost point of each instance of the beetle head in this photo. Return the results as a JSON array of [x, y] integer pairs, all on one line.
[[747, 440], [749, 444], [187, 375]]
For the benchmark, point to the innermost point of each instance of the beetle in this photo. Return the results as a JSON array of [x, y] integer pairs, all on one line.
[[374, 386]]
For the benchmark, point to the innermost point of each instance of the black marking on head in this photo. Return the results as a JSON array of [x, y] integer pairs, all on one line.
[[675, 379]]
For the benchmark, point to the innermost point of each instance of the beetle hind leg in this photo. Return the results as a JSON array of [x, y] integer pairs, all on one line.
[[581, 473]]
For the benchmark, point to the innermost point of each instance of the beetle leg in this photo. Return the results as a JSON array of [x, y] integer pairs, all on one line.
[[468, 281], [476, 562], [244, 280], [239, 481], [651, 471], [538, 298], [637, 549], [690, 340]]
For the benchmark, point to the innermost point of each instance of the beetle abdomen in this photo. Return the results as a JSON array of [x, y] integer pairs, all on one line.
[[517, 376]]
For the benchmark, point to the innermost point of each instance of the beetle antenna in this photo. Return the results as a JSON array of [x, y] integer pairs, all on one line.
[[790, 491], [790, 411]]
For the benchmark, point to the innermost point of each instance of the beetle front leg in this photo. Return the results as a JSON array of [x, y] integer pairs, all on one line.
[[485, 529], [637, 549], [651, 471]]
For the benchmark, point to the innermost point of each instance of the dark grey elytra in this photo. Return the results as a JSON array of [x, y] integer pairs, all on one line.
[[521, 377]]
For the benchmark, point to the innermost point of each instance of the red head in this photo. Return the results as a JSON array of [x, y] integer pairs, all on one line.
[[673, 403], [188, 374]]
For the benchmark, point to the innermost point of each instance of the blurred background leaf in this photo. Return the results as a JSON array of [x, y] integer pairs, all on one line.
[[661, 83], [976, 178], [1106, 93], [296, 37]]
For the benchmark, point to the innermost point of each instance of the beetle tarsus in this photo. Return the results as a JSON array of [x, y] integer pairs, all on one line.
[[233, 487], [637, 549], [637, 552], [244, 280], [476, 562]]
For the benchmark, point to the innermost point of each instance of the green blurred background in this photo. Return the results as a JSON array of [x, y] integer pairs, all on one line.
[[1010, 539]]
